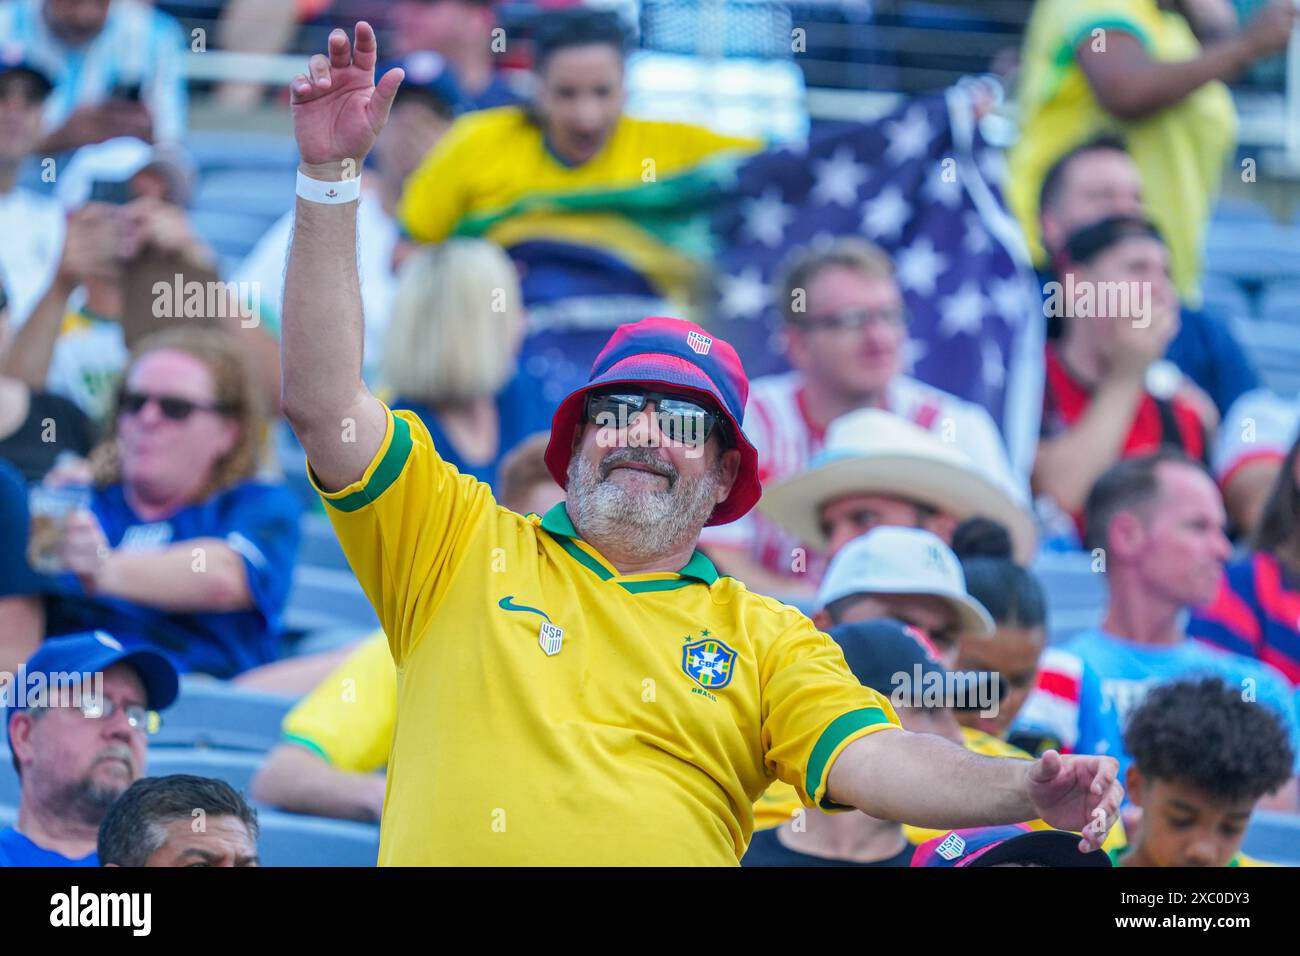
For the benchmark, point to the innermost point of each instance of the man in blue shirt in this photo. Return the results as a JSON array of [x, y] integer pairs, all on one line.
[[1099, 179], [78, 716], [1157, 524]]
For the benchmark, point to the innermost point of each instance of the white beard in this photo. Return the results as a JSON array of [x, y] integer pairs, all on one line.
[[646, 523]]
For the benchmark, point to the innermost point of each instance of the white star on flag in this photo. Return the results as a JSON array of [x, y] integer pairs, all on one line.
[[884, 216], [914, 350], [908, 137], [941, 185], [918, 266], [1010, 299], [766, 217], [838, 178], [993, 369], [744, 294], [976, 240], [963, 311]]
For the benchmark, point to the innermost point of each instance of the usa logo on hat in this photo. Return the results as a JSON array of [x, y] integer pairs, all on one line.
[[700, 344], [952, 847]]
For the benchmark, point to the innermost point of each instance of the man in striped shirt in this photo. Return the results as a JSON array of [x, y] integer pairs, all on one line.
[[845, 333], [116, 66]]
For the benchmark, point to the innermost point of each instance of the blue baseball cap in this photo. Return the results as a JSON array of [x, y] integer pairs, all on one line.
[[95, 652], [429, 73], [1017, 844], [13, 59]]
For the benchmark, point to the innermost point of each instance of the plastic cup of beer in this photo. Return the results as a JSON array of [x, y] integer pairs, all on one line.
[[49, 508]]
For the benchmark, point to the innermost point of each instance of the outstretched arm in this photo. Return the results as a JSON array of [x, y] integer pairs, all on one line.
[[338, 111], [926, 781]]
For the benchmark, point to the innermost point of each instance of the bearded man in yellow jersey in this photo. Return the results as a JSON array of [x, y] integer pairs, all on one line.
[[583, 687]]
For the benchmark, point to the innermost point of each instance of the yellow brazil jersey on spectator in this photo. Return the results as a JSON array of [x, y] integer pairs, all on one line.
[[348, 718], [493, 176], [779, 803], [551, 710], [1181, 151]]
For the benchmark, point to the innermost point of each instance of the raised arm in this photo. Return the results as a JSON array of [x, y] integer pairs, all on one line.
[[338, 110]]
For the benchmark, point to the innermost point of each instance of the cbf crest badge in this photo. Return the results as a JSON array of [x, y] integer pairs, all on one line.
[[709, 663]]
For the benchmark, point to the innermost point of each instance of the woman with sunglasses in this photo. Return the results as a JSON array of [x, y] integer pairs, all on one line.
[[182, 549], [452, 351]]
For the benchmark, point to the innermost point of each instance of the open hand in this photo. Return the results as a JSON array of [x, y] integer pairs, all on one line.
[[338, 109]]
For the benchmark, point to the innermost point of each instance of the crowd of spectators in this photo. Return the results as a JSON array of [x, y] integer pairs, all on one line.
[[149, 528]]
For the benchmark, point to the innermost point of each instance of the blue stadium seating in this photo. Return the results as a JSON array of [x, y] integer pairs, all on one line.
[[1241, 210], [289, 839], [1274, 837], [8, 816], [9, 785], [213, 714], [236, 768], [1226, 298], [319, 545], [1254, 253], [324, 598], [1075, 593], [1274, 348], [1280, 302]]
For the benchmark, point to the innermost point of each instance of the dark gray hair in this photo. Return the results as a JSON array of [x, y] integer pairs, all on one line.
[[135, 826]]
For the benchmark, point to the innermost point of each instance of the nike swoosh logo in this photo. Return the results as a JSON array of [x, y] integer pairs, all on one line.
[[507, 603]]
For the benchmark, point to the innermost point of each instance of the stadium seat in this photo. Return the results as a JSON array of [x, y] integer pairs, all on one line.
[[1273, 837], [1241, 210], [218, 149], [1076, 594], [213, 714], [1253, 253], [234, 767], [1226, 299], [9, 785], [289, 839], [319, 545], [1280, 302], [324, 598], [1274, 348]]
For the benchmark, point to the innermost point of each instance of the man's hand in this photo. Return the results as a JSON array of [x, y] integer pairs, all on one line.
[[152, 223], [89, 245], [338, 109], [1135, 346], [1077, 792], [1270, 32], [84, 549]]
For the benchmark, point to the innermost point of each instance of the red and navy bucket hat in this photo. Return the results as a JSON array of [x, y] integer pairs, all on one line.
[[676, 355]]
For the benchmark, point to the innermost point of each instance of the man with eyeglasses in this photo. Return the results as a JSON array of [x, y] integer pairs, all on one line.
[[583, 687], [845, 335], [79, 715]]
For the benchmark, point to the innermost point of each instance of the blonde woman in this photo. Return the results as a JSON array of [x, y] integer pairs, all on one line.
[[182, 549], [452, 355]]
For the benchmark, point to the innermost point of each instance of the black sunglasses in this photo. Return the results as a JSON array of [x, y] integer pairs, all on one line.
[[681, 419], [173, 407]]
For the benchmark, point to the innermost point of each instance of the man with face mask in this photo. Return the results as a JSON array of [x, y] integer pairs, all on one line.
[[583, 687], [77, 746]]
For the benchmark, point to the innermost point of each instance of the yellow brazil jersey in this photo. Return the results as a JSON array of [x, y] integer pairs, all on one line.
[[1181, 152], [348, 718], [553, 711], [779, 803], [493, 177]]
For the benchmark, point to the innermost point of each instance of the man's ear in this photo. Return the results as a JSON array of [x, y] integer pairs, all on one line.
[[730, 467], [1125, 535], [20, 736]]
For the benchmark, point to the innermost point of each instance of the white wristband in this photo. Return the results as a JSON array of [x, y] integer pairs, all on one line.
[[330, 193]]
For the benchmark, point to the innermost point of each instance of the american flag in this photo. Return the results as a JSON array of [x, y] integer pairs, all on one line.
[[919, 182]]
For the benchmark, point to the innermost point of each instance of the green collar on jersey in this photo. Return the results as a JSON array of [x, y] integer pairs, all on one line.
[[558, 523]]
